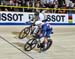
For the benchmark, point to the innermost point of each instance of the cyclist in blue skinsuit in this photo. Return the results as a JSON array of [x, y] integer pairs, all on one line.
[[45, 27], [45, 31]]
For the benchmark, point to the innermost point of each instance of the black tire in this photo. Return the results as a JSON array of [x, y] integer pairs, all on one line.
[[24, 33], [31, 44], [48, 45]]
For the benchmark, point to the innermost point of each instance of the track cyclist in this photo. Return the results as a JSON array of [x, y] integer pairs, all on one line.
[[37, 17], [43, 30]]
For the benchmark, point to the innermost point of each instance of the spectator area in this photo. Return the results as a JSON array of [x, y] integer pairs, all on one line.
[[62, 4]]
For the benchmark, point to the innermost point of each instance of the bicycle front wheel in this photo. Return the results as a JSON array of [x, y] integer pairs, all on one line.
[[30, 45], [24, 33]]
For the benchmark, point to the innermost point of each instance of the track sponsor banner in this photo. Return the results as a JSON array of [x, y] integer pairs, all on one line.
[[21, 18], [14, 17], [61, 19], [57, 18]]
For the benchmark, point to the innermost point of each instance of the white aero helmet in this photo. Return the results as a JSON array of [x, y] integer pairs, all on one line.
[[38, 22]]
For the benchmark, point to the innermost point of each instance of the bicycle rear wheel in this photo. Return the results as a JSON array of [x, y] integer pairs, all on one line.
[[48, 45], [24, 33], [30, 45]]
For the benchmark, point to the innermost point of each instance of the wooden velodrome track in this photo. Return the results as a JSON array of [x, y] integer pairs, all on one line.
[[63, 46]]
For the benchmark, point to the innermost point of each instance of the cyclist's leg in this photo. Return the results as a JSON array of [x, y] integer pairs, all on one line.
[[32, 29], [36, 28], [48, 32]]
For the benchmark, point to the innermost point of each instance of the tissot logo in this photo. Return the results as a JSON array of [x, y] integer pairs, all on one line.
[[10, 17], [56, 18]]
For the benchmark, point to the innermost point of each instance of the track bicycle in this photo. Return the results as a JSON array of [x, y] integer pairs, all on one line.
[[33, 42], [27, 30], [24, 32]]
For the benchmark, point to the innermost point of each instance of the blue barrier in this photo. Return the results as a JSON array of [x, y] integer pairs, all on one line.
[[30, 23]]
